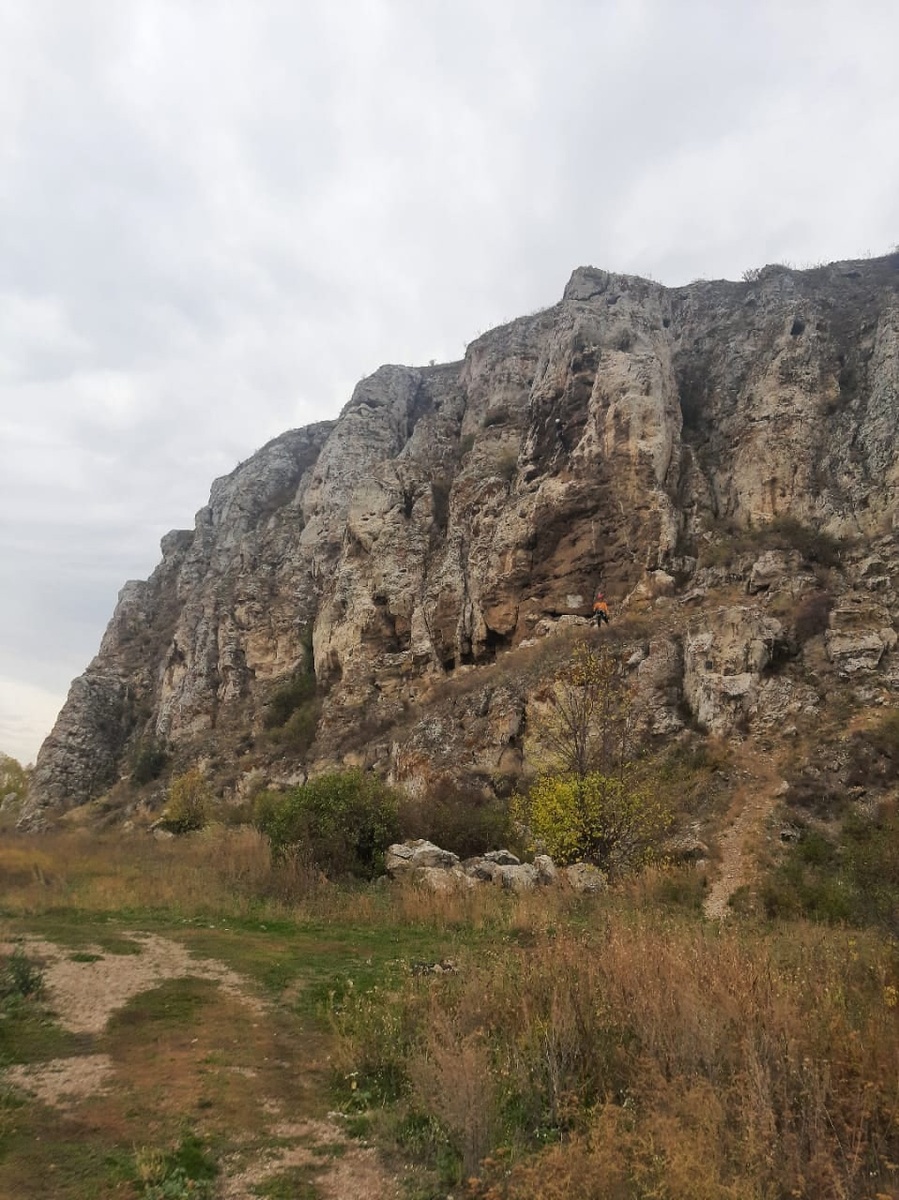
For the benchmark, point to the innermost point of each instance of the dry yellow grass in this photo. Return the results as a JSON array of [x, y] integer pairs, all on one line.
[[587, 1048], [731, 1065]]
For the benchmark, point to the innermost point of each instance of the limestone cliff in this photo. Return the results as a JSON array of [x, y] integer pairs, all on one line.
[[453, 513]]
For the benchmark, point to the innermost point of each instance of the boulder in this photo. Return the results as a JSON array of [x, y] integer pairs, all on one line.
[[547, 871], [502, 858], [442, 879], [585, 877], [522, 878], [688, 848], [481, 868], [771, 568], [405, 857], [852, 652]]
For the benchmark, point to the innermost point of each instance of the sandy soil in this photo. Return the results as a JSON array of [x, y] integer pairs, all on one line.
[[62, 1082], [84, 995]]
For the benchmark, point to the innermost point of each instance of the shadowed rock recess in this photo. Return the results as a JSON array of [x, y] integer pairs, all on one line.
[[452, 513]]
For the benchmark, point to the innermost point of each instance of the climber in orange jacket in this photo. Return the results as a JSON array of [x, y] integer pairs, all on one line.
[[600, 609]]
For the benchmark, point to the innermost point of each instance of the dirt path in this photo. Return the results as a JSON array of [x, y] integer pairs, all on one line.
[[754, 802], [86, 989]]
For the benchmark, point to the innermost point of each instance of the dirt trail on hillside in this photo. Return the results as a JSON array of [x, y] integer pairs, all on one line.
[[754, 802], [83, 995]]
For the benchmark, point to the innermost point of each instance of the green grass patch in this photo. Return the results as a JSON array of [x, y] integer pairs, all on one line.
[[41, 1158], [29, 1034], [80, 932], [853, 879], [187, 1171], [175, 1002]]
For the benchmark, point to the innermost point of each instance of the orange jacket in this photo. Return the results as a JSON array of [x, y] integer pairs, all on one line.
[[600, 606]]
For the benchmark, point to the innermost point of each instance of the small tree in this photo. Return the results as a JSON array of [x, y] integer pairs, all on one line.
[[589, 803], [586, 720], [189, 802], [341, 822], [13, 778]]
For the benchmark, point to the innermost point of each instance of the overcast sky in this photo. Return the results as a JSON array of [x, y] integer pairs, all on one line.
[[217, 215]]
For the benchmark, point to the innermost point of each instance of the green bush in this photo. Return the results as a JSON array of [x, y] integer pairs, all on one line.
[[149, 761], [13, 778], [298, 732], [20, 977], [853, 878], [188, 804], [286, 699], [459, 818], [608, 820], [341, 822]]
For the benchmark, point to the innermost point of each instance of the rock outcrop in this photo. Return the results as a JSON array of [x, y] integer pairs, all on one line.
[[427, 865], [455, 513]]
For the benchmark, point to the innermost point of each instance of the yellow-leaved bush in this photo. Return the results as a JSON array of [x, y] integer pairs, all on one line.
[[611, 820]]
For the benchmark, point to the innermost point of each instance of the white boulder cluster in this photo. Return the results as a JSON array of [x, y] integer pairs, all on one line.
[[422, 862]]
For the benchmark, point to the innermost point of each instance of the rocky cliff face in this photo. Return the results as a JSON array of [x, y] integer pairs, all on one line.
[[456, 515]]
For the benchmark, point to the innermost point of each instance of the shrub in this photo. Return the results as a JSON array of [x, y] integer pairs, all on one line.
[[342, 822], [506, 465], [874, 753], [13, 778], [639, 1058], [185, 1173], [298, 732], [812, 614], [458, 817], [787, 533], [818, 795], [783, 533], [587, 722], [188, 804], [440, 499], [855, 880], [884, 735], [604, 819], [20, 977], [286, 699], [149, 761], [496, 416]]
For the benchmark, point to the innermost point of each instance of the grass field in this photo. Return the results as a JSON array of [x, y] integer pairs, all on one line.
[[199, 1022]]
